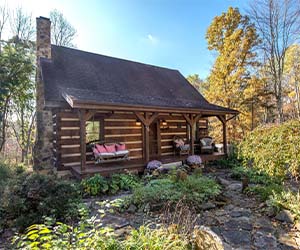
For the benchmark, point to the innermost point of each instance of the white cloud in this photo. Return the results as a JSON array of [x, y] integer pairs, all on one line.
[[152, 39]]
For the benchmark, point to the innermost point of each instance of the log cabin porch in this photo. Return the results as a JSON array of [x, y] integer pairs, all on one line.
[[133, 166], [148, 135]]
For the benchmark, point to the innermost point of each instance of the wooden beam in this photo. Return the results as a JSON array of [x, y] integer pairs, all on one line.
[[152, 118], [82, 119], [147, 138], [141, 117], [192, 139], [224, 138], [158, 137], [224, 126], [188, 119]]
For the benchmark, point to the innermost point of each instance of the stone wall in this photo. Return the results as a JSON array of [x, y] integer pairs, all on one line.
[[44, 137]]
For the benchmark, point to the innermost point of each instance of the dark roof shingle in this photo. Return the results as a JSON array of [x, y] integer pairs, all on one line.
[[91, 77]]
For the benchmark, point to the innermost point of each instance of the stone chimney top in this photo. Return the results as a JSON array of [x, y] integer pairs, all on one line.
[[43, 37]]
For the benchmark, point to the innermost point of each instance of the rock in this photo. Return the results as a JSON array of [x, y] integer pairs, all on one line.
[[264, 225], [285, 216], [288, 241], [114, 222], [239, 223], [205, 239], [297, 225], [240, 213], [208, 205], [264, 241], [235, 187], [132, 208], [223, 181], [237, 237]]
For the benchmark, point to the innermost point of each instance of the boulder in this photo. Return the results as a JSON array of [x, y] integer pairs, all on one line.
[[285, 216]]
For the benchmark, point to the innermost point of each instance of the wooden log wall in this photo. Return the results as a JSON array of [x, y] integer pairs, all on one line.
[[118, 127], [121, 127], [176, 125]]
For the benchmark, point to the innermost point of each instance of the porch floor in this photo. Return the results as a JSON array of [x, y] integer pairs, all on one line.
[[106, 169]]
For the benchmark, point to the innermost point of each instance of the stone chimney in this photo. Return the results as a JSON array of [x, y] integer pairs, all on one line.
[[43, 37], [44, 136]]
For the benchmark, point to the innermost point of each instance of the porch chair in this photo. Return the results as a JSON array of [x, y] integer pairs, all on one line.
[[181, 147], [207, 145]]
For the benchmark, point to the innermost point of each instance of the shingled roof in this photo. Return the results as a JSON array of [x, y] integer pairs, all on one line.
[[80, 77]]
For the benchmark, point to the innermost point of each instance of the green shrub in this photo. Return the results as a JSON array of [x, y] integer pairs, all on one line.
[[194, 190], [273, 149], [98, 185], [30, 197], [88, 236], [255, 176], [265, 191], [94, 185], [286, 200]]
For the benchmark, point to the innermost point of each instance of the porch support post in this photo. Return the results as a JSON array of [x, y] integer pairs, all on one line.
[[82, 119], [192, 139], [147, 121], [191, 120], [224, 125]]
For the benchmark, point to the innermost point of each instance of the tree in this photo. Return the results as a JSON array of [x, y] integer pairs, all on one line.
[[234, 38], [62, 32], [3, 20], [16, 70], [277, 23], [21, 26], [292, 78], [198, 83]]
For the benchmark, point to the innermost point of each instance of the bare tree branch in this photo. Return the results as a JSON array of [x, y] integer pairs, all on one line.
[[62, 32]]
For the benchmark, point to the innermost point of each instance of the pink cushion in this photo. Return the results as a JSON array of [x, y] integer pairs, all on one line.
[[95, 151], [101, 148], [120, 147], [110, 148]]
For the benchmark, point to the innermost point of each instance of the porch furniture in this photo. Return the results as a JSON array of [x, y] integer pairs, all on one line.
[[181, 147], [207, 145], [109, 152]]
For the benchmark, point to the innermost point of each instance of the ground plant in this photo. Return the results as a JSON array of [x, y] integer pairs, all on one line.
[[98, 185], [29, 197], [195, 189]]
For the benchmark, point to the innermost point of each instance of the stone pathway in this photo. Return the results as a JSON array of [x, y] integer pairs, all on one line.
[[243, 223], [240, 221]]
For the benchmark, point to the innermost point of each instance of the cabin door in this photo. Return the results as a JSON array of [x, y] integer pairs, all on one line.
[[153, 139]]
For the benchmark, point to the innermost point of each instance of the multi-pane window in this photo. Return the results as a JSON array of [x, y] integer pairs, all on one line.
[[92, 131]]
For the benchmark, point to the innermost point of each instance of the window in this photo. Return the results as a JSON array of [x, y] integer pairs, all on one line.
[[92, 131]]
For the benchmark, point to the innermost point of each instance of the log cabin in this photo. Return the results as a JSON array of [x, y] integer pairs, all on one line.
[[84, 97]]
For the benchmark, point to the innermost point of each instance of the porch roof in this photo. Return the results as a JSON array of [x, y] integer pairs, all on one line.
[[90, 80]]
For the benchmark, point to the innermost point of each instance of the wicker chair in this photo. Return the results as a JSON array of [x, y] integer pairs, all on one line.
[[207, 145], [181, 147]]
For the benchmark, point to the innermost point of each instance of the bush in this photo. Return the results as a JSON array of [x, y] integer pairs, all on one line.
[[29, 198], [255, 176], [286, 200], [90, 236], [98, 185], [273, 149], [194, 190]]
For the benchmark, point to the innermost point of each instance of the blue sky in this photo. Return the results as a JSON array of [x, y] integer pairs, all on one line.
[[168, 33]]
